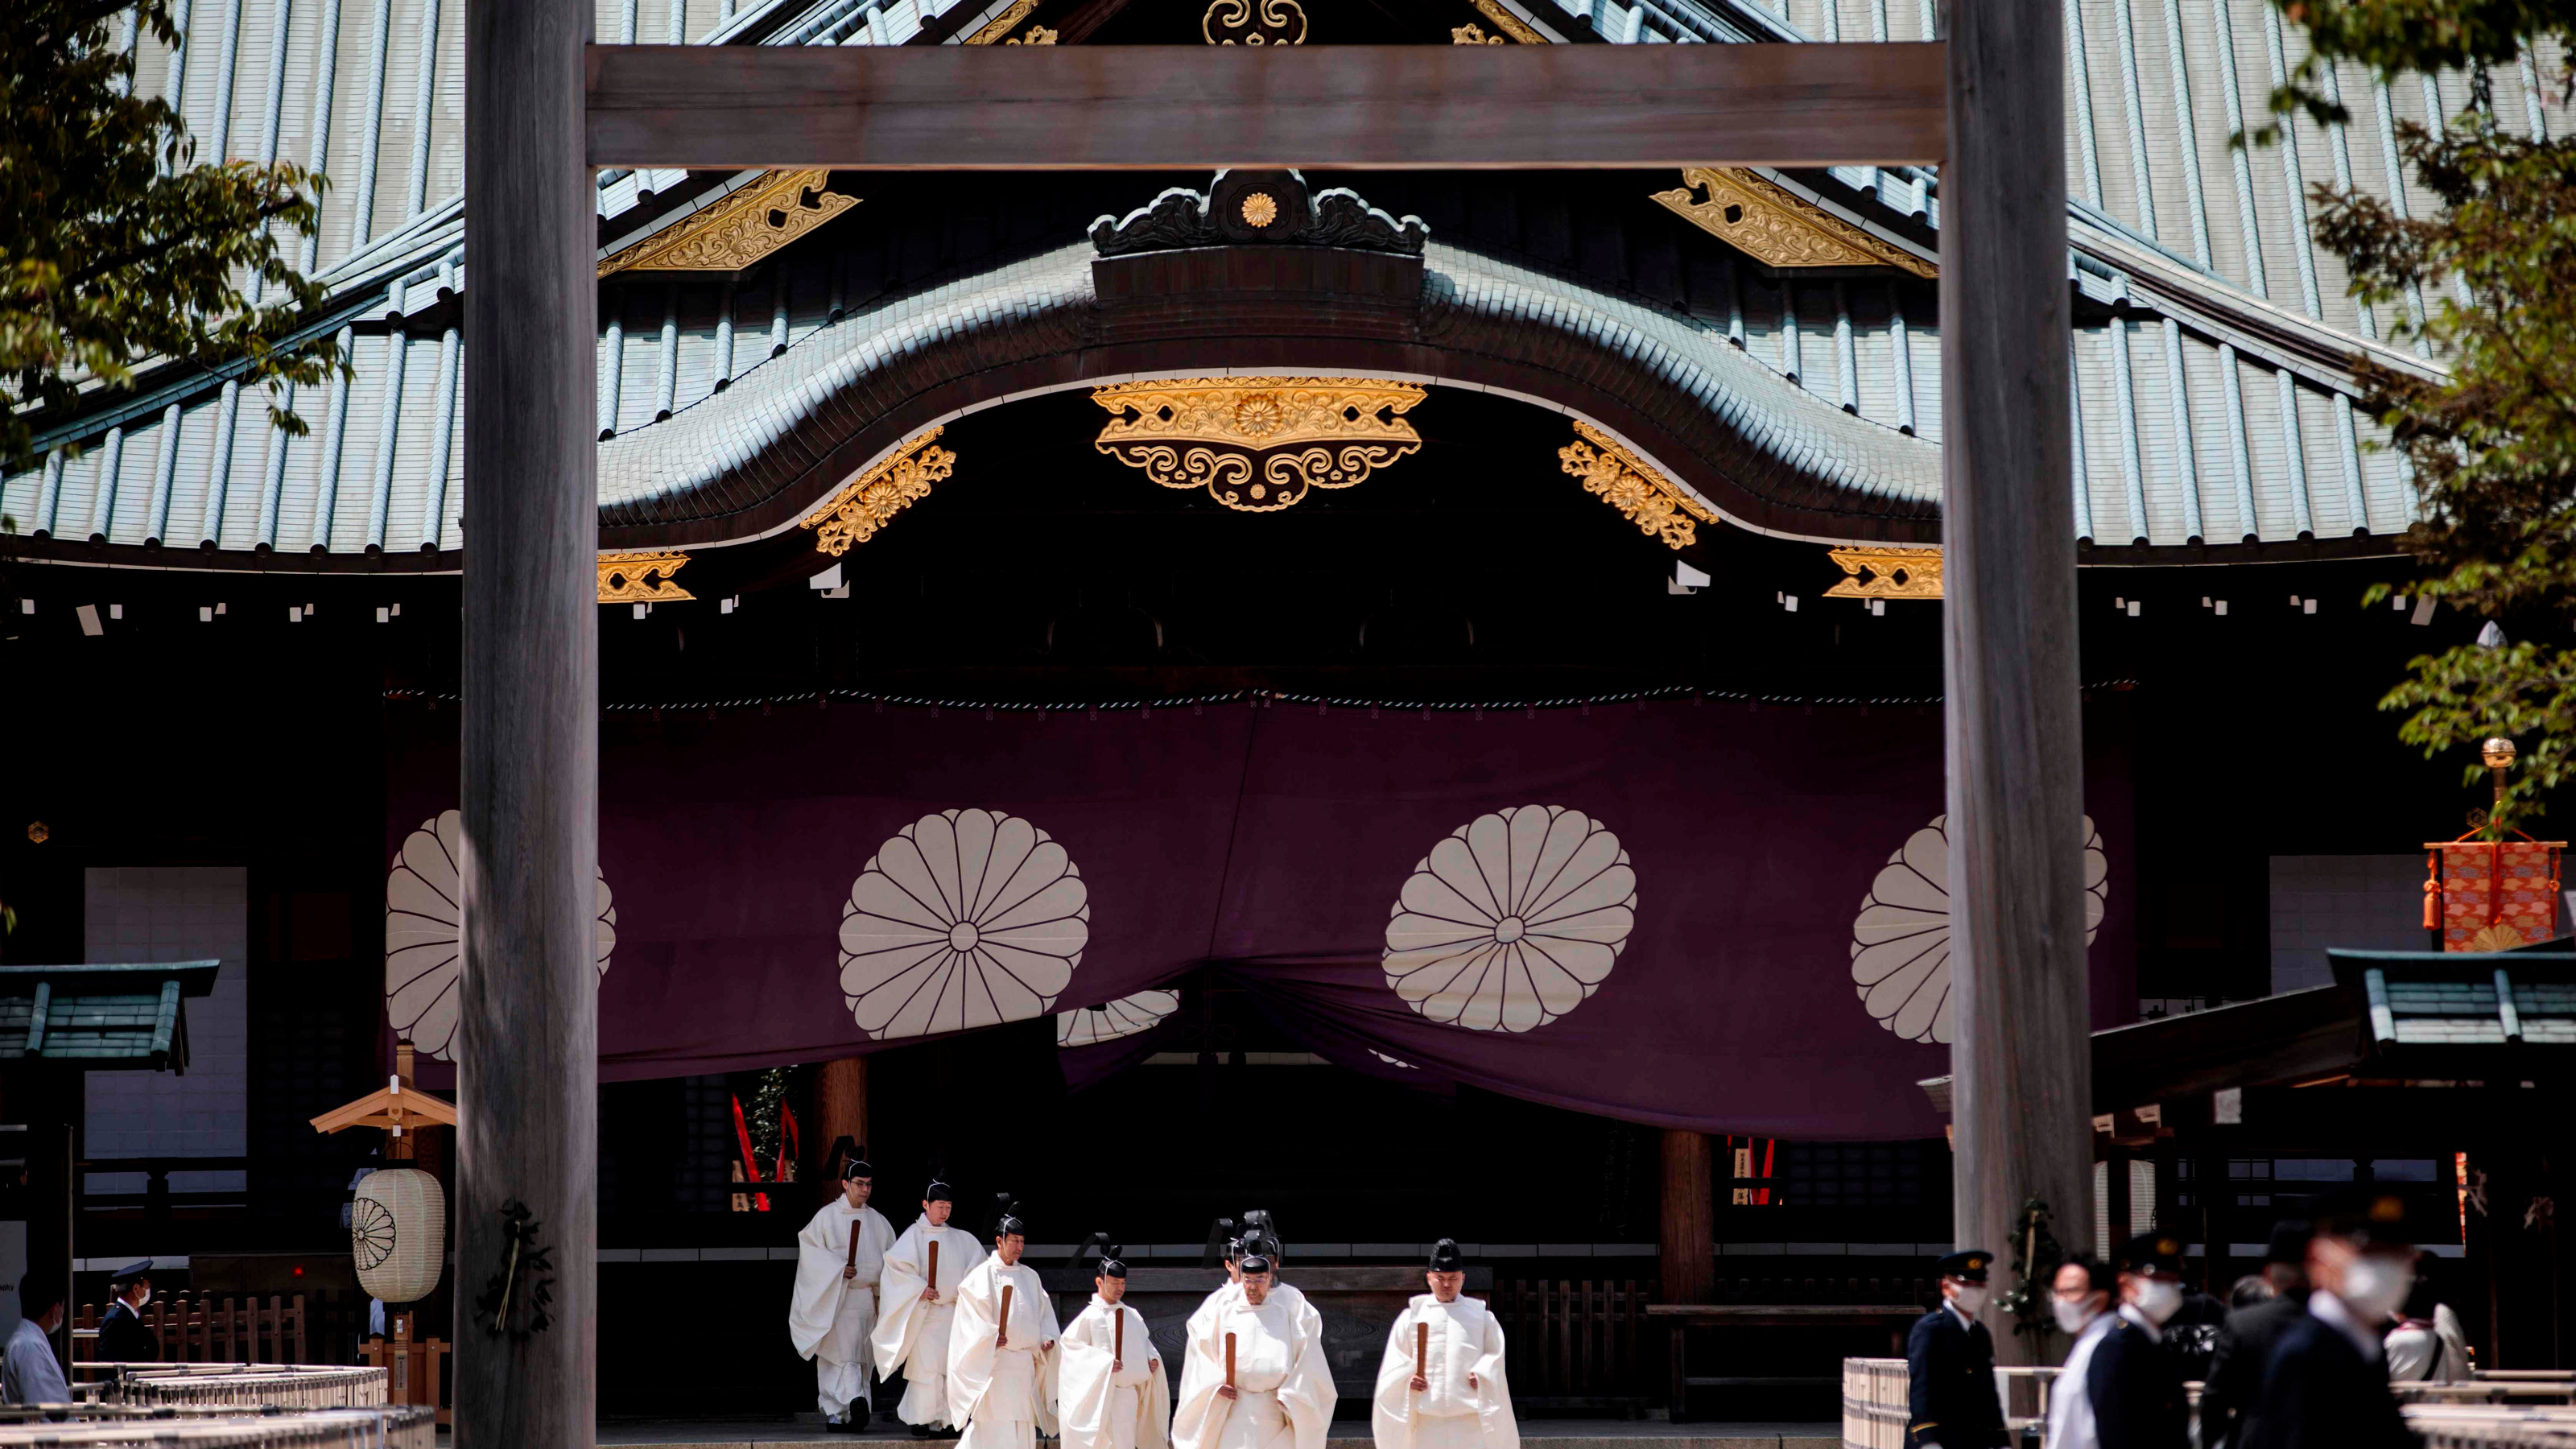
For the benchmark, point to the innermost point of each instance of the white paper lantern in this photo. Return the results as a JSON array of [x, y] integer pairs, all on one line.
[[398, 1234]]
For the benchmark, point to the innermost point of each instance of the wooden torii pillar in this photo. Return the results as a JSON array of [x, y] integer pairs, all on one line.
[[543, 107]]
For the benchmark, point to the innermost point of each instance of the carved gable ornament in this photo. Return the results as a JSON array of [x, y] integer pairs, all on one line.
[[1258, 208], [740, 229], [1769, 224], [1257, 444]]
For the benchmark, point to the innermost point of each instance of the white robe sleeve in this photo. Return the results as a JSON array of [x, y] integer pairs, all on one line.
[[1492, 1394], [971, 1332], [1307, 1395], [901, 1279], [816, 1301], [1198, 1417], [1391, 1409]]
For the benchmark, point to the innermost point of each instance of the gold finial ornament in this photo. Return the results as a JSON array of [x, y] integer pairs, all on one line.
[[1295, 433], [869, 502], [1231, 22], [1633, 486], [2498, 752]]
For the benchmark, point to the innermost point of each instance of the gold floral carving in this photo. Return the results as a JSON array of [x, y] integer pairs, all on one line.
[[1260, 209], [740, 229], [641, 578], [870, 502], [1038, 35], [1765, 221], [992, 31], [1257, 444], [1633, 486], [1472, 34], [1508, 23], [1895, 573], [1235, 19]]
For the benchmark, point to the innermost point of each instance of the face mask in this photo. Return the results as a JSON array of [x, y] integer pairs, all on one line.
[[147, 1297], [2375, 1287], [1969, 1297], [2158, 1299], [2071, 1317]]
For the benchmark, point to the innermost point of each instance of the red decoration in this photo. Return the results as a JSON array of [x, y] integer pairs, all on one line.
[[2492, 895]]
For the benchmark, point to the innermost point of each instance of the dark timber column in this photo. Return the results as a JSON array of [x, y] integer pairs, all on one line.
[[2021, 1059], [1687, 1241], [841, 1103], [527, 1064]]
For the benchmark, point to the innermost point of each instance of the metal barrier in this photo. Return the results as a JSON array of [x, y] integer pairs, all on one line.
[[118, 1426], [1875, 1400], [242, 1386]]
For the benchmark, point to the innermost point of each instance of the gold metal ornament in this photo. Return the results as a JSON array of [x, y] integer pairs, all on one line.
[[1633, 486], [1257, 444], [1038, 35], [1260, 209], [869, 502], [992, 31], [1472, 34], [739, 229], [1508, 23], [641, 578], [1767, 222], [1896, 573], [1235, 19], [38, 832]]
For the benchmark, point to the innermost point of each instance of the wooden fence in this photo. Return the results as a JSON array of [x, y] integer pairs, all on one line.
[[1578, 1345], [194, 1329], [416, 1369]]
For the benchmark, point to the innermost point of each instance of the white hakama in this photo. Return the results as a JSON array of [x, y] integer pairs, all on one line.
[[1464, 1342], [834, 1309], [1111, 1395], [1001, 1387], [1283, 1388], [912, 1332]]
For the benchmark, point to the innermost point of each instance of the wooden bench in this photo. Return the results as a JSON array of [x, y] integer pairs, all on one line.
[[1683, 1317]]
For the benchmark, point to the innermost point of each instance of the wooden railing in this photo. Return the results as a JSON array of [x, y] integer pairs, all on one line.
[[210, 1330], [1577, 1345], [415, 1367]]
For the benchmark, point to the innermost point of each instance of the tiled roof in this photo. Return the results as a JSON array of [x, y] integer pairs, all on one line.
[[2213, 398], [101, 1016]]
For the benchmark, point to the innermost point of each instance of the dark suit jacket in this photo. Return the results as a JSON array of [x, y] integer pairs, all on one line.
[[125, 1338], [2319, 1392], [2245, 1343], [2135, 1388], [1951, 1391]]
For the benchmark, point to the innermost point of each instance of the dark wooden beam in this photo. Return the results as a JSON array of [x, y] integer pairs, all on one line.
[[1117, 107], [528, 1033], [2022, 1106]]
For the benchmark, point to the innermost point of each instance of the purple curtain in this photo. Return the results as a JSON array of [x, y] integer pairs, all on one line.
[[1646, 912]]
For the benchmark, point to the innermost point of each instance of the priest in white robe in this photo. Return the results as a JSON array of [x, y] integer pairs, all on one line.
[[1111, 1392], [839, 1257], [1001, 1348], [919, 1294], [1277, 1392], [1441, 1384]]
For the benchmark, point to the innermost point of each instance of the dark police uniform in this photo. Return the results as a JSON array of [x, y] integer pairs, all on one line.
[[2246, 1338], [2135, 1388], [1951, 1372], [123, 1337], [2319, 1389]]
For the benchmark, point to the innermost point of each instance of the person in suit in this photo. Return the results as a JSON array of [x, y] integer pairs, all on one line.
[[2245, 1340], [1950, 1362], [29, 1372], [2325, 1385], [123, 1336], [2134, 1380]]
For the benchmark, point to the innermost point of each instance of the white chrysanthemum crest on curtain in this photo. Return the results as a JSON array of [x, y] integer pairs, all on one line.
[[1128, 1015], [961, 919], [424, 936], [1512, 920], [1900, 947]]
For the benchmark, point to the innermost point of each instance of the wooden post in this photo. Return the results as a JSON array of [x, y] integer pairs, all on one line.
[[2021, 1056], [841, 1104], [1687, 1243], [528, 1043]]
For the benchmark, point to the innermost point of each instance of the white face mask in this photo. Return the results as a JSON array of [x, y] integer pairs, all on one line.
[[2071, 1317], [2158, 1299], [2376, 1287], [1969, 1297], [138, 1303]]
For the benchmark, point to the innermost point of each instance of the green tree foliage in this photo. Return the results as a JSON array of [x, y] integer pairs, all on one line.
[[2489, 280], [117, 248]]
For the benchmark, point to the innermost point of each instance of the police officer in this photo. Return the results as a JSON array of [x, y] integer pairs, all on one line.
[[2133, 1381], [2326, 1386], [1950, 1362], [2245, 1340], [123, 1336]]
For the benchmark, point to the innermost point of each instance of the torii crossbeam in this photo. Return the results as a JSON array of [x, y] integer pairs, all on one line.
[[543, 108]]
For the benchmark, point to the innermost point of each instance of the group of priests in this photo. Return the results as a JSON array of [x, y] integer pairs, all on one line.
[[975, 1337]]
